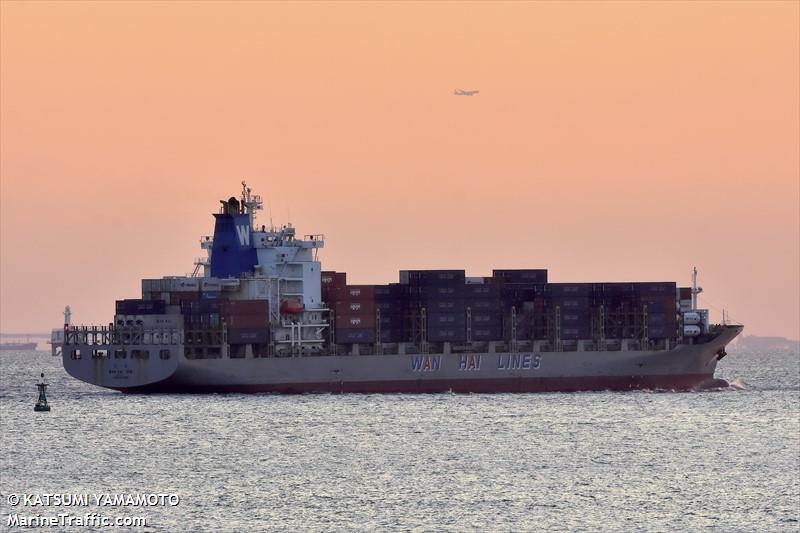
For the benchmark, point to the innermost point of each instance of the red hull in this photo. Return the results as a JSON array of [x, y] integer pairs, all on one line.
[[427, 386]]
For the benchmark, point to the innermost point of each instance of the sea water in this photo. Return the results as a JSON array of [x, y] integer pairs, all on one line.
[[726, 460]]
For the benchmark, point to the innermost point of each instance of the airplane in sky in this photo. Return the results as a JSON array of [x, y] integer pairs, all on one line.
[[459, 92]]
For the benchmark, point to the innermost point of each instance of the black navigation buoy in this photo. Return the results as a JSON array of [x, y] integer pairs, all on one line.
[[41, 403]]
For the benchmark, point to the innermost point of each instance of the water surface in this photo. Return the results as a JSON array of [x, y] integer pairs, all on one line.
[[642, 461]]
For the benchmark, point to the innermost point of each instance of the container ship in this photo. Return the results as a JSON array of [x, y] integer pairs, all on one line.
[[17, 346], [259, 314]]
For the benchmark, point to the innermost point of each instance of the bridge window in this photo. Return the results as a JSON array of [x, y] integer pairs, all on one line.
[[164, 354], [76, 354], [140, 354], [119, 354], [99, 354]]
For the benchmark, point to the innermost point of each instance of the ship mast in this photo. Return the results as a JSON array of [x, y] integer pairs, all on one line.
[[695, 289], [251, 203]]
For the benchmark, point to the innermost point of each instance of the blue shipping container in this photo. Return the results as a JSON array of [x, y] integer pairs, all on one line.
[[484, 333], [140, 307], [447, 334], [248, 336], [354, 336]]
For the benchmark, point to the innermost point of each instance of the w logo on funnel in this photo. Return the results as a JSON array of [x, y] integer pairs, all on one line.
[[243, 232]]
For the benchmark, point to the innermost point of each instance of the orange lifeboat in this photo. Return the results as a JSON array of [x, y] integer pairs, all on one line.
[[291, 307]]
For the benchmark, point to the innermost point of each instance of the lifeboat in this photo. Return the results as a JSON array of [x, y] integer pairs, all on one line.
[[291, 307]]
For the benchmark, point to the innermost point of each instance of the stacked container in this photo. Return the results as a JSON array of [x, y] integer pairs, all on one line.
[[391, 303], [331, 283], [247, 321], [574, 302], [441, 294], [662, 310], [140, 307], [484, 313], [354, 313]]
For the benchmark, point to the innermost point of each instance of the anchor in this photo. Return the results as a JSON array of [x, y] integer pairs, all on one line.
[[721, 353], [41, 403]]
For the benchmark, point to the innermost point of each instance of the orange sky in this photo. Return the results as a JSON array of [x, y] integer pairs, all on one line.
[[610, 141]]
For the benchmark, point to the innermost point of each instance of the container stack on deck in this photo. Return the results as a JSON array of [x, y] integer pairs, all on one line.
[[445, 306], [440, 293], [391, 306], [484, 311], [435, 306], [247, 321], [202, 306]]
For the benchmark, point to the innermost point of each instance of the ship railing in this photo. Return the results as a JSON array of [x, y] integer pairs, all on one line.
[[121, 335]]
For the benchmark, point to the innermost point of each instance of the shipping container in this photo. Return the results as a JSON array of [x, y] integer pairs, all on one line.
[[390, 307], [570, 290], [576, 318], [200, 306], [666, 331], [210, 295], [391, 292], [485, 291], [662, 319], [330, 278], [184, 284], [446, 319], [444, 306], [356, 307], [659, 305], [575, 332], [245, 321], [356, 292], [521, 275], [655, 288], [140, 307], [487, 333], [570, 303], [354, 336], [244, 307], [391, 321], [486, 319], [176, 297], [483, 305], [248, 335], [355, 321], [447, 334], [392, 335], [516, 294], [432, 277], [618, 290], [431, 292], [210, 285], [206, 320]]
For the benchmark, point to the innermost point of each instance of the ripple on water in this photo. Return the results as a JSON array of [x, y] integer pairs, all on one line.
[[724, 459]]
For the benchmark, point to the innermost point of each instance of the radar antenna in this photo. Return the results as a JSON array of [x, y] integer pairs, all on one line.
[[251, 203]]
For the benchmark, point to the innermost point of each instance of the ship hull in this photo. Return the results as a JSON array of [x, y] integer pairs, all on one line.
[[681, 368], [433, 386], [18, 347]]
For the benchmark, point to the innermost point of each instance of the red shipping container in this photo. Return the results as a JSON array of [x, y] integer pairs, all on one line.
[[244, 307], [350, 307], [355, 321], [176, 297], [245, 321], [358, 292], [330, 278]]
